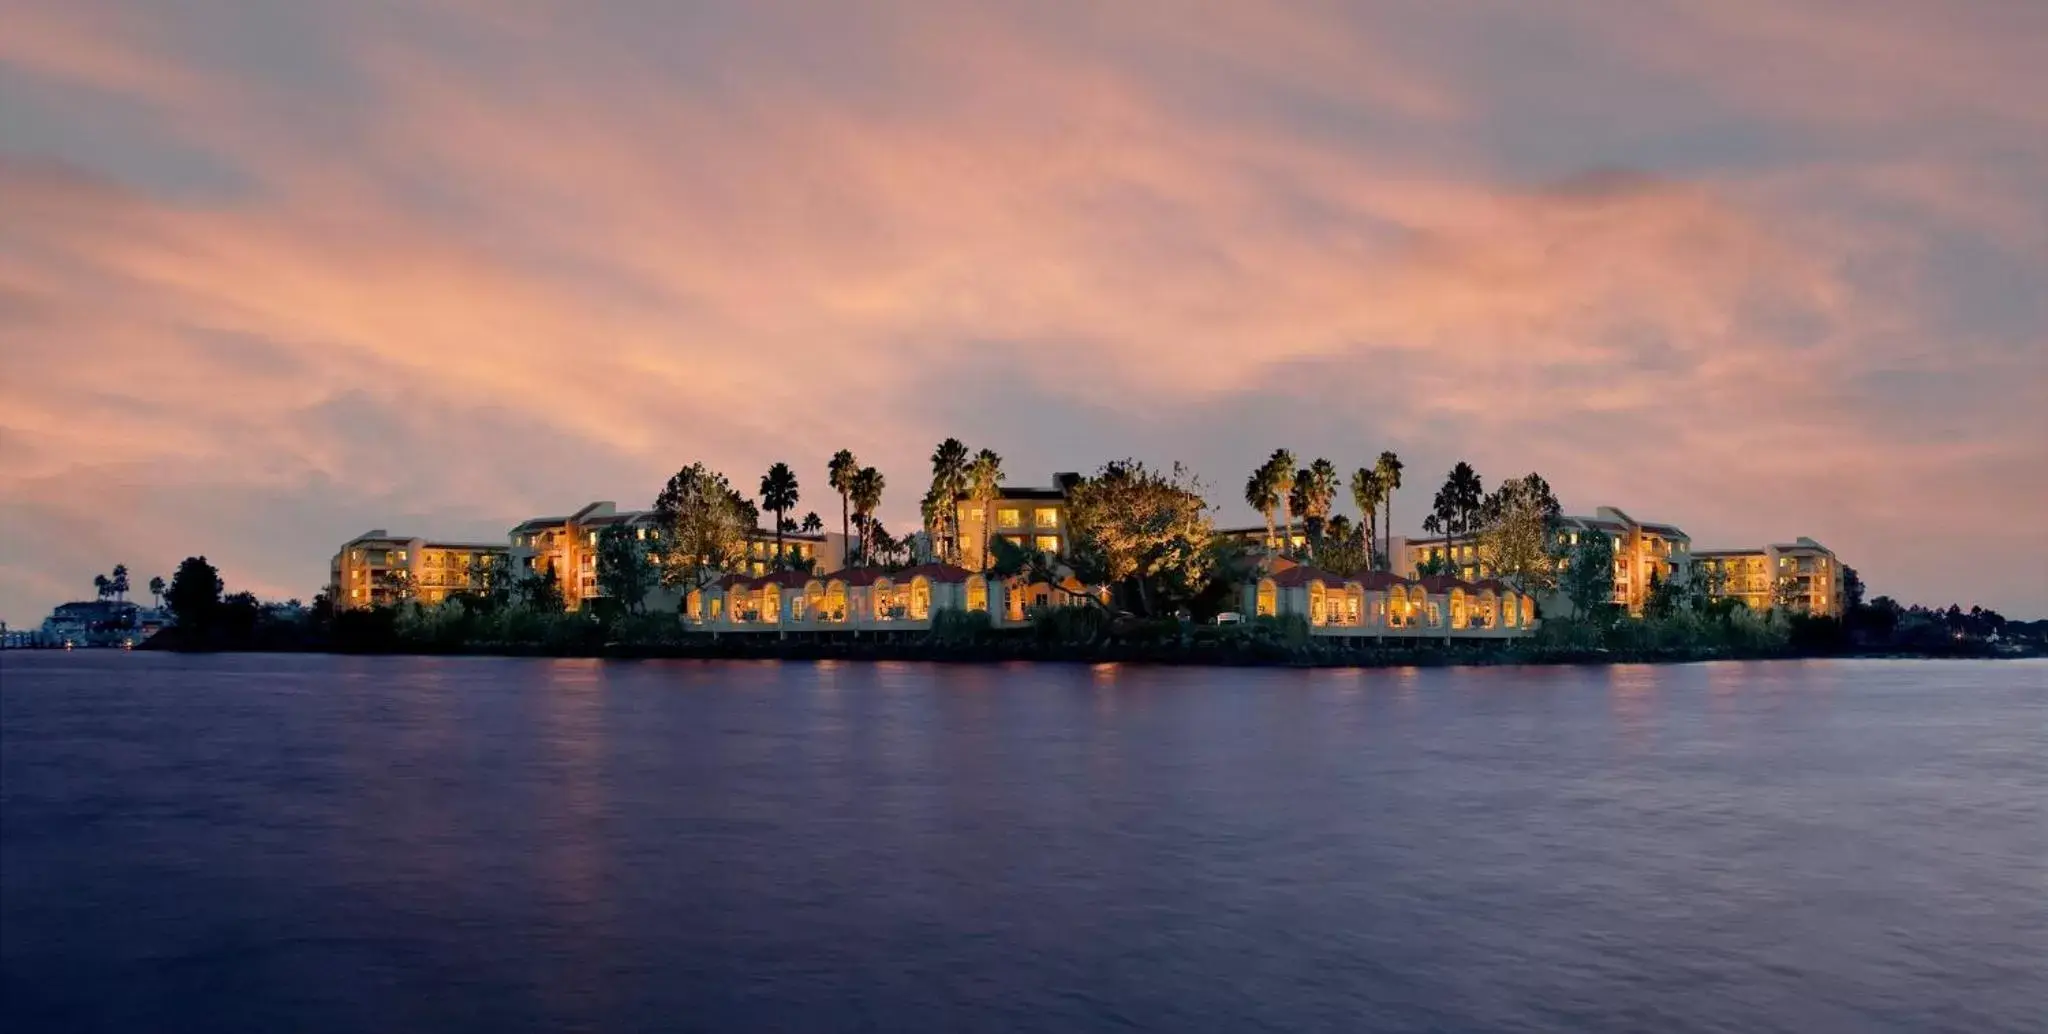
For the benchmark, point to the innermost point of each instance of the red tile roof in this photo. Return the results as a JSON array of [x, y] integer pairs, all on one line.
[[1442, 584], [786, 579], [934, 572], [1302, 574]]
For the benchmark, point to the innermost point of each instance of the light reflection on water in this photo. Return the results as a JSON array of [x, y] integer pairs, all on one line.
[[303, 843]]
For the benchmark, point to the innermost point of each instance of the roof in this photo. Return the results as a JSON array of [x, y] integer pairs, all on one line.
[[1666, 530], [934, 572], [488, 547], [1033, 493], [1442, 583], [1750, 551], [731, 580], [785, 578], [857, 576], [532, 523], [1302, 574]]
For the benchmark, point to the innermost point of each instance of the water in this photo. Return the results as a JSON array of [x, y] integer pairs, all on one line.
[[399, 844]]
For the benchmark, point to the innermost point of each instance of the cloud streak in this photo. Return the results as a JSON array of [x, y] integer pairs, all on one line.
[[446, 266]]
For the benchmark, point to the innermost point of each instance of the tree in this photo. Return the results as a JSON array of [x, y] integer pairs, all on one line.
[[156, 591], [1389, 471], [1457, 505], [541, 591], [623, 571], [839, 474], [1368, 492], [1317, 486], [1517, 524], [1259, 494], [1143, 532], [1298, 506], [394, 584], [1661, 598], [704, 527], [488, 581], [778, 496], [1280, 474], [811, 524], [1788, 594], [985, 485], [194, 595], [866, 491], [118, 585], [1346, 549], [1588, 575], [949, 483]]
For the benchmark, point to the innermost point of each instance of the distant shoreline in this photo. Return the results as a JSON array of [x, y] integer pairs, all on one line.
[[1311, 655]]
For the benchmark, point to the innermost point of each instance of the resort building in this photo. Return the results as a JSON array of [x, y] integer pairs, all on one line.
[[1802, 573], [568, 546], [850, 600], [1255, 534], [1034, 517], [1641, 549], [1383, 605], [378, 567]]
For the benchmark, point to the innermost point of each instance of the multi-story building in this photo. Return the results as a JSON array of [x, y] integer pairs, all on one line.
[[1023, 516], [1641, 549], [1255, 534], [568, 546], [1802, 573], [378, 567]]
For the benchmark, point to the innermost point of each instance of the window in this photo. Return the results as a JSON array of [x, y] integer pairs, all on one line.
[[920, 599], [1009, 517], [1015, 540], [1318, 603], [977, 593], [1048, 518], [1269, 599], [1048, 543]]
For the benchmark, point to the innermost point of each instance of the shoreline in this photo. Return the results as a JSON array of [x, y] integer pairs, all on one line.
[[1156, 654]]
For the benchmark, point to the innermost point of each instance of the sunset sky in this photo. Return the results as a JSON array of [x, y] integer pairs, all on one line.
[[274, 273]]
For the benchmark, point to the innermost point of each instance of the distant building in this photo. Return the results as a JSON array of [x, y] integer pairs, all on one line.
[[1803, 573], [1641, 549], [568, 546], [379, 568], [1023, 516]]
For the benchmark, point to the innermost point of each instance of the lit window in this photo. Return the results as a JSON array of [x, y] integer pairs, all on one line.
[[1048, 543], [1009, 517], [1048, 518]]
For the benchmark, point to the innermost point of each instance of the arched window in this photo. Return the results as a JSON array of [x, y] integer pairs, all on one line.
[[1013, 600], [920, 598], [814, 600], [1433, 613], [1508, 616], [1460, 609], [977, 593], [1269, 598], [1318, 603], [835, 601], [771, 604], [884, 597], [1354, 605]]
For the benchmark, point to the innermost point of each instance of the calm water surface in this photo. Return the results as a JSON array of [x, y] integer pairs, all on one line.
[[397, 844]]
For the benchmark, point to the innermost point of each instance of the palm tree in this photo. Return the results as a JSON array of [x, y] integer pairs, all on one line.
[[1468, 494], [156, 591], [1297, 502], [839, 474], [778, 494], [1389, 471], [949, 483], [119, 583], [103, 585], [1368, 493], [1320, 495], [812, 524], [866, 491], [1280, 469], [985, 483], [1259, 495]]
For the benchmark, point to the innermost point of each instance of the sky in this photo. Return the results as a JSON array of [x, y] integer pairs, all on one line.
[[275, 273]]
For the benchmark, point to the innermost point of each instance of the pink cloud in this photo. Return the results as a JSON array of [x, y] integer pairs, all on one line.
[[524, 260]]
